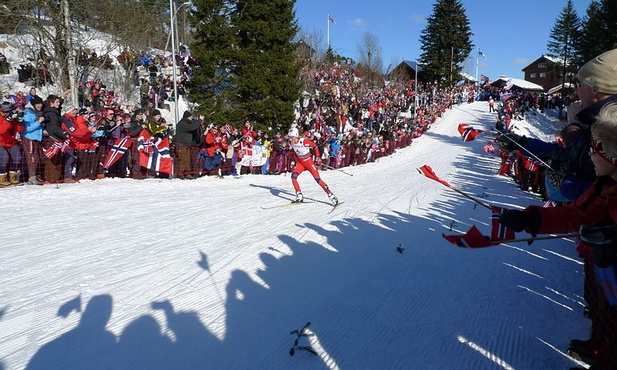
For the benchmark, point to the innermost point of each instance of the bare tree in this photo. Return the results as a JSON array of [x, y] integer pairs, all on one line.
[[369, 57]]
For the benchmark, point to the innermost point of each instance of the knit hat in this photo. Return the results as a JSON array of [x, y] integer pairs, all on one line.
[[600, 73], [604, 133], [36, 100], [69, 108], [187, 114], [156, 112]]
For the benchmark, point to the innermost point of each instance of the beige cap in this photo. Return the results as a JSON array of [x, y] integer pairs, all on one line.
[[600, 73]]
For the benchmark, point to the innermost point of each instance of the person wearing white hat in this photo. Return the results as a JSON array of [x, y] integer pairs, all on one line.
[[305, 149]]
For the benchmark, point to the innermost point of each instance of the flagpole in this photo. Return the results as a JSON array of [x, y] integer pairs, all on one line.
[[573, 235], [477, 64], [328, 24]]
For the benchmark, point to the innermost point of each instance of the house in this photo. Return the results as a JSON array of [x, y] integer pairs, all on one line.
[[404, 71], [514, 84], [545, 71]]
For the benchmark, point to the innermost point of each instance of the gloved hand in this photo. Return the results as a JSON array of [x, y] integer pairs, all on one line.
[[509, 141], [318, 162], [529, 220], [603, 241]]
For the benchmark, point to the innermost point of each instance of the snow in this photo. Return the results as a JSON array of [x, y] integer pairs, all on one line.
[[172, 274]]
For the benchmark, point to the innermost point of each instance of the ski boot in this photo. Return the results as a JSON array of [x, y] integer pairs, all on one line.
[[299, 198], [333, 199]]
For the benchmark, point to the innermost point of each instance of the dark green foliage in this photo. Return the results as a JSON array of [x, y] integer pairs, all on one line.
[[245, 49], [599, 29], [564, 41], [445, 42]]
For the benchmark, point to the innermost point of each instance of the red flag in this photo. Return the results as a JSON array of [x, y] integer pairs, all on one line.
[[498, 231], [159, 158], [427, 171], [467, 132], [56, 147], [121, 145], [472, 239]]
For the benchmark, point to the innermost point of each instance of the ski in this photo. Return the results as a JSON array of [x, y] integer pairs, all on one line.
[[287, 205], [334, 207]]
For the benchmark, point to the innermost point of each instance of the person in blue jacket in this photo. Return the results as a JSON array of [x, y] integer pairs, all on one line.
[[32, 140]]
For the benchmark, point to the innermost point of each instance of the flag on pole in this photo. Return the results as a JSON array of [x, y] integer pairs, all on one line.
[[158, 158], [427, 171], [331, 19], [120, 147], [472, 239], [468, 132], [56, 147], [480, 53], [498, 231], [484, 78]]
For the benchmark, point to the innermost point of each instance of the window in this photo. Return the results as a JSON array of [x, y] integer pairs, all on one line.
[[542, 65], [532, 75], [542, 75]]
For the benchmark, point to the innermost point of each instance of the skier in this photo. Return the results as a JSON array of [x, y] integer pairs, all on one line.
[[305, 149]]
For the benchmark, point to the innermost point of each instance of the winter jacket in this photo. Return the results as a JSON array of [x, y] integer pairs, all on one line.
[[8, 129], [215, 142], [81, 136], [596, 205], [186, 130], [53, 123], [33, 128]]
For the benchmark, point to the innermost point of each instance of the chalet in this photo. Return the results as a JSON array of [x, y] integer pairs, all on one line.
[[544, 71]]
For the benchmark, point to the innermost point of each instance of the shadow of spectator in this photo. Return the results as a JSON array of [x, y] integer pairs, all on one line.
[[81, 347]]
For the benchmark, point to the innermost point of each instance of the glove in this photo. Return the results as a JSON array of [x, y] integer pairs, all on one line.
[[602, 240], [509, 141], [318, 163], [529, 220]]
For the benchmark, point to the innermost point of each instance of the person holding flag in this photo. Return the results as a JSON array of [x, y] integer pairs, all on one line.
[[304, 150], [594, 214]]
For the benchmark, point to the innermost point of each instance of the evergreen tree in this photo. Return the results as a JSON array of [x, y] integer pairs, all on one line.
[[445, 42], [599, 29], [265, 65], [564, 41], [213, 84]]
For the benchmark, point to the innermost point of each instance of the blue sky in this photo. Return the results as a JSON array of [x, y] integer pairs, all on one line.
[[510, 34]]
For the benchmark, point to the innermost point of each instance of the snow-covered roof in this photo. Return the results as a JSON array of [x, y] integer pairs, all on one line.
[[521, 84], [566, 85]]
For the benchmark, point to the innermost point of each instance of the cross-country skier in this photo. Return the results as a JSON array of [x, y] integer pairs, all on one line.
[[305, 149]]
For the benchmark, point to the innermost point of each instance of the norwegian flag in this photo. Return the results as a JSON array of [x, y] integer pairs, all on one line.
[[498, 231], [472, 239], [468, 132], [120, 147], [144, 142], [159, 158], [56, 147]]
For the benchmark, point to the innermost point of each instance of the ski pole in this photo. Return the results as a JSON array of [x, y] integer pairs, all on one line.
[[526, 150], [337, 169], [540, 238], [428, 172]]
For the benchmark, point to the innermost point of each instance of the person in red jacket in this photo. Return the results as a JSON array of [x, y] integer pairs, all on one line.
[[10, 154], [215, 145], [304, 150], [85, 145], [594, 215]]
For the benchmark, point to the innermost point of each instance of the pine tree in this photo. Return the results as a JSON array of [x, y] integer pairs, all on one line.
[[446, 41], [213, 85], [564, 41], [265, 65], [599, 29]]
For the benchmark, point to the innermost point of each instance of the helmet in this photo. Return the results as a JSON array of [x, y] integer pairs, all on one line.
[[7, 106], [293, 132]]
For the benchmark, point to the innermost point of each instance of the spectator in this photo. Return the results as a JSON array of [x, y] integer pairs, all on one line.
[[10, 155], [596, 216], [32, 140], [186, 131]]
